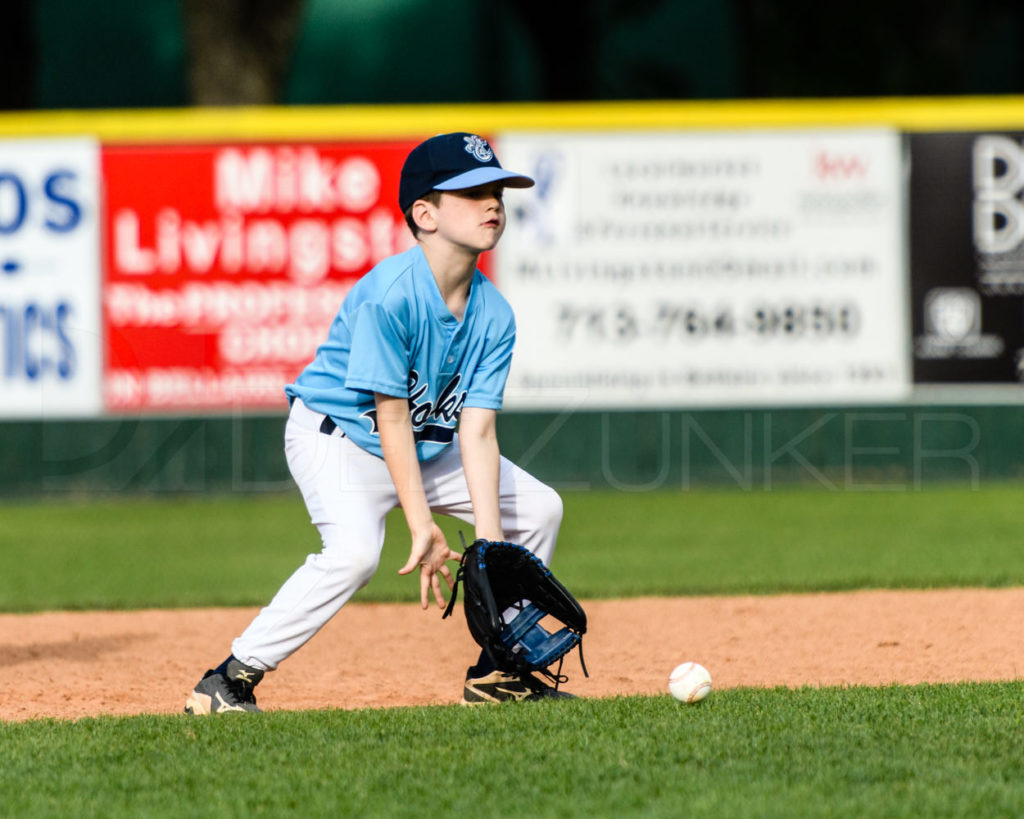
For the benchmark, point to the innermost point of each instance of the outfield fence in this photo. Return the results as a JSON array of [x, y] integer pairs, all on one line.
[[746, 293]]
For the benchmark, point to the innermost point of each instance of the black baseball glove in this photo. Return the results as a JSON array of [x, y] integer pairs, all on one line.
[[503, 578]]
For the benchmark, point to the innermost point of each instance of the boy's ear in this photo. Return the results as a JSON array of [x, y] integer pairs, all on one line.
[[423, 215]]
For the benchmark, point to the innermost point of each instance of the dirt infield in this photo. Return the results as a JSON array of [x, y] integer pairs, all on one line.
[[70, 665]]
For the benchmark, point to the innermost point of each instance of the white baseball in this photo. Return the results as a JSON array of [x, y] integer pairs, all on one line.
[[689, 682]]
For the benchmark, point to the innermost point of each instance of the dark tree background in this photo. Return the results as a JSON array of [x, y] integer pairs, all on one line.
[[807, 48], [126, 53], [17, 55], [239, 50]]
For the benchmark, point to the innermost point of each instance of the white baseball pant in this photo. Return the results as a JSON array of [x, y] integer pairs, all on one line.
[[348, 492]]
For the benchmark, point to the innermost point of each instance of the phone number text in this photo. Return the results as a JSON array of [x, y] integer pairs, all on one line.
[[679, 322]]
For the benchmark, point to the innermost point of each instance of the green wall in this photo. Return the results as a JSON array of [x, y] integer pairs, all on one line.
[[890, 449]]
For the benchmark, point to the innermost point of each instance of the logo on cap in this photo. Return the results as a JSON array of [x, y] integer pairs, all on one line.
[[478, 147]]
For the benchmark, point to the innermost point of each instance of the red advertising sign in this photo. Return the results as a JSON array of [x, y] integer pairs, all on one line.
[[225, 264]]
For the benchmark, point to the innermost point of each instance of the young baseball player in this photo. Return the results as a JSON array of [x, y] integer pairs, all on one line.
[[398, 408]]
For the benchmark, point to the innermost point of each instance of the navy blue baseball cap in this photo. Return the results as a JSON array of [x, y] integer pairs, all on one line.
[[452, 162]]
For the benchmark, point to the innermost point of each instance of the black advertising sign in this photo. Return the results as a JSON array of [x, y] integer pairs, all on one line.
[[967, 257]]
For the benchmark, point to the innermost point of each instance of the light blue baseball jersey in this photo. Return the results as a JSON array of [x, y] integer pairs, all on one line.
[[395, 335]]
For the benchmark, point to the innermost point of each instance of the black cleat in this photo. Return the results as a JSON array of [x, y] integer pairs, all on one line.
[[501, 686], [219, 693]]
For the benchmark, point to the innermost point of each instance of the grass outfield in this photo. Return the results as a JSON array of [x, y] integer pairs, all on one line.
[[934, 750], [895, 751], [237, 550]]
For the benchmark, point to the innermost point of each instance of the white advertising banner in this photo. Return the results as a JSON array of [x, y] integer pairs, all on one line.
[[706, 269], [50, 335]]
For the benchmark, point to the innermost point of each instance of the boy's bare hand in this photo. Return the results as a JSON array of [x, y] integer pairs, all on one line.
[[430, 552]]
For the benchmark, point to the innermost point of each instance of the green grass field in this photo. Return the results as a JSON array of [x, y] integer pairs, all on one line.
[[944, 750], [895, 751], [237, 550]]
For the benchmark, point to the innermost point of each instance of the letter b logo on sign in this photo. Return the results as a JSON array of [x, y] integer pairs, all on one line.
[[998, 164]]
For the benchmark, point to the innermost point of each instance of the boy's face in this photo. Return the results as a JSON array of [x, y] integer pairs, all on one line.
[[473, 218]]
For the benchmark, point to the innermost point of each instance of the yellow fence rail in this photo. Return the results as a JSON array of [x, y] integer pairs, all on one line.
[[402, 121]]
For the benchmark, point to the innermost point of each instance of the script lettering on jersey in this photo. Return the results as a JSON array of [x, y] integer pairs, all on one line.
[[431, 420]]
